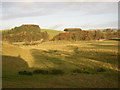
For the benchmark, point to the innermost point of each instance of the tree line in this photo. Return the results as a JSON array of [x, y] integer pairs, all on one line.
[[84, 35]]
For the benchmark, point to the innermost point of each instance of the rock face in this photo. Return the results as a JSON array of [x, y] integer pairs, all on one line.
[[25, 33]]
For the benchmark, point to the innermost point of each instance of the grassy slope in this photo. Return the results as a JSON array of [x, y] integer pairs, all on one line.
[[65, 56], [51, 32], [15, 51]]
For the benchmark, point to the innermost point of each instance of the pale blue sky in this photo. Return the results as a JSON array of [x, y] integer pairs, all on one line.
[[60, 15]]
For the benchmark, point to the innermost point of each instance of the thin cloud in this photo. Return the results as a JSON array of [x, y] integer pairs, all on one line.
[[22, 9], [29, 9], [60, 0], [94, 7], [64, 14]]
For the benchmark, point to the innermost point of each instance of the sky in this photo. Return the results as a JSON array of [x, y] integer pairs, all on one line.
[[60, 15]]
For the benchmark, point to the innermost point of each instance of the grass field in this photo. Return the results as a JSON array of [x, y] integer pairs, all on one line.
[[80, 61], [51, 32]]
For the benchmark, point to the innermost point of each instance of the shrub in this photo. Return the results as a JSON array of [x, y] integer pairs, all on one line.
[[56, 71], [86, 72], [77, 71], [81, 71], [53, 51], [40, 71], [25, 73], [100, 70]]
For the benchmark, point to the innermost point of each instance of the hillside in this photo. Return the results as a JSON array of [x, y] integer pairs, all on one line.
[[84, 35], [24, 33], [15, 51], [51, 32]]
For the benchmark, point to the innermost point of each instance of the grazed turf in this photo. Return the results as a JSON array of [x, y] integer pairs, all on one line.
[[66, 56]]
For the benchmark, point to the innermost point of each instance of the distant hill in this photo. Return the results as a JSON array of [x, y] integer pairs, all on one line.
[[85, 35], [24, 33], [51, 32], [32, 34]]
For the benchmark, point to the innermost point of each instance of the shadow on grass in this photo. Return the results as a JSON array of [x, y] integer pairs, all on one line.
[[63, 62], [105, 46], [13, 64], [106, 57], [47, 57]]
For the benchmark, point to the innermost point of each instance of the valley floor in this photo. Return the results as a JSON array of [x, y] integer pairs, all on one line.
[[91, 56]]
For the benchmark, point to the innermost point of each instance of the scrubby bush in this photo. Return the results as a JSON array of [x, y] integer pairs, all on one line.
[[89, 71], [100, 70], [52, 71], [25, 73], [72, 29], [56, 71], [77, 71], [86, 72], [81, 71], [40, 71], [53, 51]]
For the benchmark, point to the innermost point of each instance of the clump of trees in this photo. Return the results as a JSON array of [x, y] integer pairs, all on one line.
[[84, 35], [110, 33], [24, 33], [72, 29]]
